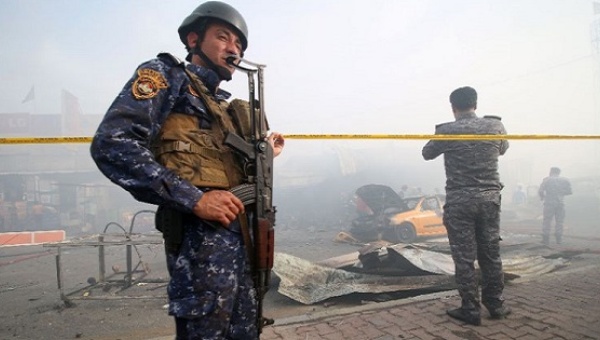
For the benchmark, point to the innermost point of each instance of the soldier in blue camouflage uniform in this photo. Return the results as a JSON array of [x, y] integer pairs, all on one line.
[[211, 293], [552, 192], [472, 208]]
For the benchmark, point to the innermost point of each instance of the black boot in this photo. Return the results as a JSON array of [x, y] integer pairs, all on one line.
[[470, 316], [500, 313]]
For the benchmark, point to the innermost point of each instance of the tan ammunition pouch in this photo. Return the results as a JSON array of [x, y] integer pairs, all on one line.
[[198, 155]]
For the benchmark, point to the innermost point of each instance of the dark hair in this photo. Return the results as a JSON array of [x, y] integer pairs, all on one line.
[[464, 98]]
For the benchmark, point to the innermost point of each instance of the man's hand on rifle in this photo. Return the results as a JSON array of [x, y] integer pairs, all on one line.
[[219, 205], [277, 142]]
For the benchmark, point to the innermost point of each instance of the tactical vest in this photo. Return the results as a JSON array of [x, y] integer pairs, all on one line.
[[199, 155]]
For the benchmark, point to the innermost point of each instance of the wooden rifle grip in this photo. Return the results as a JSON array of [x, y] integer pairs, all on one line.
[[265, 245]]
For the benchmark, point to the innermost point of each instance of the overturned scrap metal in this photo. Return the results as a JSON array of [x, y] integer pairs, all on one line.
[[392, 268], [309, 283]]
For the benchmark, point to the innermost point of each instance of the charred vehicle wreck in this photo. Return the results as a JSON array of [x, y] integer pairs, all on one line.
[[384, 215]]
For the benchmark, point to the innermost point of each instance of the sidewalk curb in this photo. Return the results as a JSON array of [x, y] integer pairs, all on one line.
[[308, 318]]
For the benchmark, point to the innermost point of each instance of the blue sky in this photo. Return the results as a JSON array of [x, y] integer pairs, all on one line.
[[377, 66]]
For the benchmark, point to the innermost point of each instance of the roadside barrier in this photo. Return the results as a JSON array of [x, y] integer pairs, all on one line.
[[21, 238]]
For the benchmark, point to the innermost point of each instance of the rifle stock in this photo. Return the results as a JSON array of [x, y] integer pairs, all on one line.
[[264, 247]]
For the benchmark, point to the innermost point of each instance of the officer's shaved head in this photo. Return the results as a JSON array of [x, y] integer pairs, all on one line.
[[464, 98]]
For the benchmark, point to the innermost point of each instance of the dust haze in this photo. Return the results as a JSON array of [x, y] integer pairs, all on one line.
[[352, 67]]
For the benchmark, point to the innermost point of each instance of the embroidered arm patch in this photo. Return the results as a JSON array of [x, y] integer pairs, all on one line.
[[148, 84]]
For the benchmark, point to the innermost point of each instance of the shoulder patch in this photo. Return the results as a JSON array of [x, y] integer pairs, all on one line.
[[493, 117], [148, 83]]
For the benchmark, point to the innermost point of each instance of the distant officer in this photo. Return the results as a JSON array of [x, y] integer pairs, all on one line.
[[472, 209], [552, 192]]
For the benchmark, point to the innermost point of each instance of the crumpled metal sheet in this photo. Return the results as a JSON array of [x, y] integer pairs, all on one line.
[[427, 260], [388, 269], [308, 283], [534, 265]]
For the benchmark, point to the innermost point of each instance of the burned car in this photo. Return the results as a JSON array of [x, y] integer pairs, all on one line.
[[384, 215]]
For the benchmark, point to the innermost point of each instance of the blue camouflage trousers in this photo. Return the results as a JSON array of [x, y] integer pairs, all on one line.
[[474, 234], [211, 292]]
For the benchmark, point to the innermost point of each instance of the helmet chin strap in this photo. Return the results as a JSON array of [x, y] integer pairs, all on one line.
[[222, 72]]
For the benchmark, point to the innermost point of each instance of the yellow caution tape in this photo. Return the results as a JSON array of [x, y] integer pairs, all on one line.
[[76, 140], [45, 140], [441, 137]]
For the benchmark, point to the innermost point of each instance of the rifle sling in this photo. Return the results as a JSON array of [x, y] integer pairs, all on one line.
[[247, 239]]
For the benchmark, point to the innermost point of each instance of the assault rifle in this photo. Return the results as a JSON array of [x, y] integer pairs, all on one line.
[[258, 192]]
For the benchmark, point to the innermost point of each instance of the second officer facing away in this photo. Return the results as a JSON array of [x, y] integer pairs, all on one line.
[[472, 209], [162, 140], [552, 192]]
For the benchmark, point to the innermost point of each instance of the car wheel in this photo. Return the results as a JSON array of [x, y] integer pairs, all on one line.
[[405, 233]]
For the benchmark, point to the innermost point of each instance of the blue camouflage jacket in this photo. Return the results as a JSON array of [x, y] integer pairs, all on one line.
[[121, 145], [471, 166]]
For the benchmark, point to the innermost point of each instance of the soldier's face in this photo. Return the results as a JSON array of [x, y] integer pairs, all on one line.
[[219, 42]]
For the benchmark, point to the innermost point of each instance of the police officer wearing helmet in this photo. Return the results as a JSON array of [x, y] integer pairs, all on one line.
[[162, 141]]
